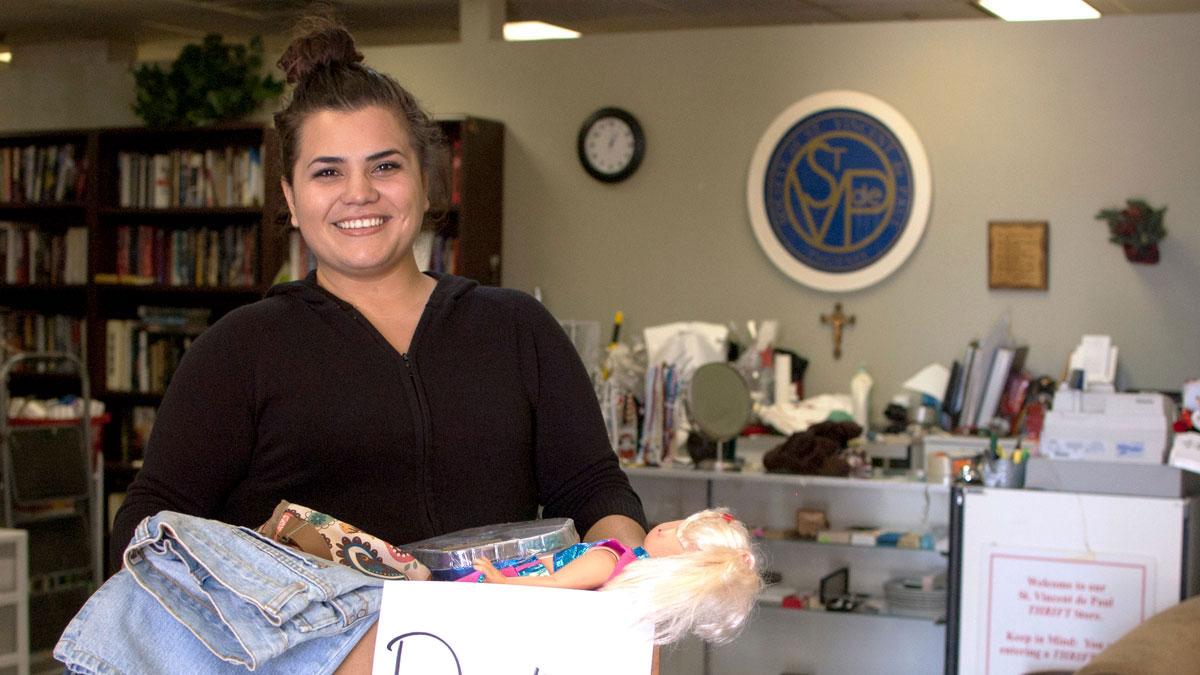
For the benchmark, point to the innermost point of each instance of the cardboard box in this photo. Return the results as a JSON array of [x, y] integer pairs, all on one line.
[[809, 522]]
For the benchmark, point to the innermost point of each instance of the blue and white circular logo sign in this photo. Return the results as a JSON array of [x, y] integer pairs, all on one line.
[[839, 191]]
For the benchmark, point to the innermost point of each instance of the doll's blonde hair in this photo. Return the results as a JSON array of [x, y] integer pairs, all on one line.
[[709, 589]]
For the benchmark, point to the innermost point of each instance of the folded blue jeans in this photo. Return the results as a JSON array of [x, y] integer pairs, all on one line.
[[202, 596]]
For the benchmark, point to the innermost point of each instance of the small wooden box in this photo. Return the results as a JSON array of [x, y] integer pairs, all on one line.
[[809, 522]]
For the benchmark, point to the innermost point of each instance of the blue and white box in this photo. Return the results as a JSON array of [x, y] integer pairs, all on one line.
[[1108, 427]]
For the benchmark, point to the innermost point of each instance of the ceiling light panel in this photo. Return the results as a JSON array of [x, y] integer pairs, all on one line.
[[1039, 10]]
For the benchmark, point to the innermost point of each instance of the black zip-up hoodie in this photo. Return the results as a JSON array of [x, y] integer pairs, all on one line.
[[487, 416]]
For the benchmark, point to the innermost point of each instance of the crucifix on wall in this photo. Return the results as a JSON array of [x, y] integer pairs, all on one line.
[[838, 320]]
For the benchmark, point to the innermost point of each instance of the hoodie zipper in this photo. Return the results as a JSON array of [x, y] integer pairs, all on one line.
[[421, 426]]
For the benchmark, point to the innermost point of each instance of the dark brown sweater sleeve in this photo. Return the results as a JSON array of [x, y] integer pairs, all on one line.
[[577, 471]]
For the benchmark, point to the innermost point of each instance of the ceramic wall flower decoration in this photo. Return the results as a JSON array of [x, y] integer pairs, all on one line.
[[1138, 228]]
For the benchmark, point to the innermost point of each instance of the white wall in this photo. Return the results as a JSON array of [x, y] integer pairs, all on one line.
[[1049, 121], [66, 85]]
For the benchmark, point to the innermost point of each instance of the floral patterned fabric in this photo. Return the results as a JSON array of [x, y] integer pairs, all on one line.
[[327, 537]]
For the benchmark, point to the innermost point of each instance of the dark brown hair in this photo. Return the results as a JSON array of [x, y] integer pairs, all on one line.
[[327, 71]]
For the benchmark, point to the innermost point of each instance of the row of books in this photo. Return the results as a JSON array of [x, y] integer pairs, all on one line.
[[301, 259], [228, 177], [443, 254], [28, 331], [658, 425], [436, 252], [989, 385], [224, 257], [142, 354], [41, 174], [135, 425], [36, 255]]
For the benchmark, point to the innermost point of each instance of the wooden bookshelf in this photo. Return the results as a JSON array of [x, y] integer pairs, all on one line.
[[193, 194], [103, 203], [474, 205], [113, 212], [94, 205]]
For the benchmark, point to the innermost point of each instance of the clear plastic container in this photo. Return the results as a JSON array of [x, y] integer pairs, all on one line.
[[452, 555]]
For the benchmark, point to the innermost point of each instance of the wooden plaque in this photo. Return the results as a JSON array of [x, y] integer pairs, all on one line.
[[1017, 254]]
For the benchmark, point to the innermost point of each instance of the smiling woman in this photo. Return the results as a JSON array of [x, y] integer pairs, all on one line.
[[411, 404]]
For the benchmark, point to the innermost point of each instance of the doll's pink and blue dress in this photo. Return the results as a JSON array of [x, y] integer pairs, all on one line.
[[534, 567]]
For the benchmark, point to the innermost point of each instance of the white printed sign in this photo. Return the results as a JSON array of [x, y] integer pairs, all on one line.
[[446, 628], [1045, 611]]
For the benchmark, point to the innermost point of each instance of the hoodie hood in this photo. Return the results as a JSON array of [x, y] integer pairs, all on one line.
[[449, 289]]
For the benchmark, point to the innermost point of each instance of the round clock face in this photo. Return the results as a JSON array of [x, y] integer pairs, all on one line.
[[611, 144]]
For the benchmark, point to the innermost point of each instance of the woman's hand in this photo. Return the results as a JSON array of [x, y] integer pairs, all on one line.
[[489, 572]]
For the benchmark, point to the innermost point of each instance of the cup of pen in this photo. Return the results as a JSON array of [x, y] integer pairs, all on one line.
[[1004, 471]]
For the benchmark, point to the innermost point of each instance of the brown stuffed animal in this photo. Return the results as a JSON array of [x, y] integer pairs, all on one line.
[[815, 451]]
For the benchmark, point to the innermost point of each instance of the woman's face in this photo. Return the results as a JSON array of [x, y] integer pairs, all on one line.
[[357, 194]]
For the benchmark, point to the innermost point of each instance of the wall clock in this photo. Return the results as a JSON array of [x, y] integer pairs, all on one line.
[[611, 145]]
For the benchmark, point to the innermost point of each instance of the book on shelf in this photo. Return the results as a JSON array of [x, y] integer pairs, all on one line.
[[207, 257], [443, 255], [143, 353], [953, 383], [114, 335], [163, 174], [423, 249], [122, 279], [1007, 362], [972, 389], [188, 320], [228, 177], [1012, 402], [31, 254], [993, 387], [301, 259], [23, 330], [961, 384], [977, 376], [136, 425], [254, 191], [40, 174], [75, 266]]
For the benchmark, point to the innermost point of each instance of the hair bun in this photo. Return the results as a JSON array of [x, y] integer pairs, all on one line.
[[325, 44]]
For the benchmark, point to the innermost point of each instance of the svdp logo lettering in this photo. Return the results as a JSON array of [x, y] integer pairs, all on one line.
[[839, 190]]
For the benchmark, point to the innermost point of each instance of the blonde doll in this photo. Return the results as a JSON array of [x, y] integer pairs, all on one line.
[[695, 575]]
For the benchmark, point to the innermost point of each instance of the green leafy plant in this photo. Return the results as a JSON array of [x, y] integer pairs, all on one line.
[[209, 82], [1138, 227]]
